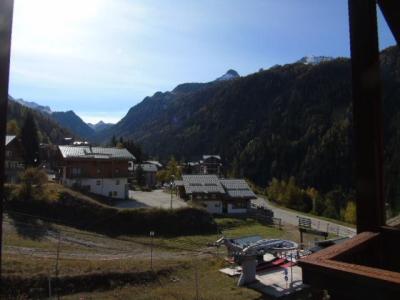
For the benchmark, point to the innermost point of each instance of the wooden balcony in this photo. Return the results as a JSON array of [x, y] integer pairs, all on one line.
[[368, 265], [364, 267]]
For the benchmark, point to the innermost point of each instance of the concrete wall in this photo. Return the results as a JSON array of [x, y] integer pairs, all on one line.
[[232, 210], [213, 206], [103, 186]]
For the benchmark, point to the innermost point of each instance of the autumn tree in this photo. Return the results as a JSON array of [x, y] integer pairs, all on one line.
[[350, 212], [12, 127], [32, 184]]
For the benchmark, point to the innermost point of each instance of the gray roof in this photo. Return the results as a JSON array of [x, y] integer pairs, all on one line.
[[209, 156], [237, 188], [154, 162], [147, 167], [87, 152], [9, 138], [179, 183], [202, 184]]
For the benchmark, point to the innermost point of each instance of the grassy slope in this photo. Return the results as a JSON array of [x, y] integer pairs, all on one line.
[[178, 254], [65, 206], [178, 285], [181, 285]]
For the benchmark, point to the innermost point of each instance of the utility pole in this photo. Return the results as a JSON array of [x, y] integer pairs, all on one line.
[[6, 17], [291, 268], [171, 185], [171, 195], [49, 286], [58, 254], [196, 278], [151, 249]]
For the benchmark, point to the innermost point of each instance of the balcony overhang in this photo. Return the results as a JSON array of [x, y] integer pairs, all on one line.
[[366, 266]]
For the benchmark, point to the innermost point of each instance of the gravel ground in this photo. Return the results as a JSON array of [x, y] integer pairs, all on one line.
[[156, 198]]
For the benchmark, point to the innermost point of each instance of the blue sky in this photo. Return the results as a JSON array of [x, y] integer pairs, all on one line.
[[101, 57]]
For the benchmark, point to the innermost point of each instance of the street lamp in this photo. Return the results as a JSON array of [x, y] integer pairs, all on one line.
[[171, 186]]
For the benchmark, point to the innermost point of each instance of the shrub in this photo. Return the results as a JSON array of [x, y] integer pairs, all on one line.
[[32, 185], [289, 194], [76, 210]]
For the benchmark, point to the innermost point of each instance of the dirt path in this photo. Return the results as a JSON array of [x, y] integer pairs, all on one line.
[[75, 244], [45, 253]]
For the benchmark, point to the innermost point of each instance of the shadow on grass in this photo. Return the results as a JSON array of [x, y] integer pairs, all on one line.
[[30, 227]]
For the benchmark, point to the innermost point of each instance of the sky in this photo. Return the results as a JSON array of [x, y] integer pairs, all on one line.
[[101, 57]]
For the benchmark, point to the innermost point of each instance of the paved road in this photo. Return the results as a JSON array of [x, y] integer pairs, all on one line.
[[156, 198], [291, 217]]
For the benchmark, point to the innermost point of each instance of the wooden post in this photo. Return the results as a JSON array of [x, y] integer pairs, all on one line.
[[196, 278], [151, 249], [58, 254], [6, 16], [367, 115], [391, 12], [301, 236]]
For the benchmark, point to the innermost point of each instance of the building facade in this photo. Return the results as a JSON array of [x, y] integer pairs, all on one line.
[[149, 173], [14, 163], [211, 164], [217, 196], [208, 165], [98, 170]]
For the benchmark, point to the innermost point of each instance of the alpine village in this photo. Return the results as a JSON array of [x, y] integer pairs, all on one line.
[[262, 186]]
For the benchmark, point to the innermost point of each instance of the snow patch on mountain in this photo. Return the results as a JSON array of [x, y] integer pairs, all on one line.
[[314, 60], [229, 75]]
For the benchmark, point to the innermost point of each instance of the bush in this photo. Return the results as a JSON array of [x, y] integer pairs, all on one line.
[[32, 185], [78, 211], [289, 194]]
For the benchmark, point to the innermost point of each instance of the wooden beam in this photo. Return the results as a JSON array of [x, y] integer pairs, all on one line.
[[6, 15], [326, 270], [391, 11], [367, 115]]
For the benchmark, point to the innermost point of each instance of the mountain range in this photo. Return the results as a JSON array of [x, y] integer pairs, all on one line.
[[285, 121], [50, 131], [67, 119], [34, 106], [289, 120], [99, 126]]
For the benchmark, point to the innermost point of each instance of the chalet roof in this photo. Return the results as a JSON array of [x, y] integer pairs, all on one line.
[[88, 152], [237, 188], [179, 183], [202, 184], [147, 167], [154, 162], [211, 156], [9, 138]]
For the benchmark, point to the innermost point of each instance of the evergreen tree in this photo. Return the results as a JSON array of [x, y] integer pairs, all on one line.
[[30, 141], [134, 149], [113, 141], [139, 174]]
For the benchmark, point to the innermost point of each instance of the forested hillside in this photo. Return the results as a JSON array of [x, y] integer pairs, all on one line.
[[69, 120], [49, 130], [291, 120]]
